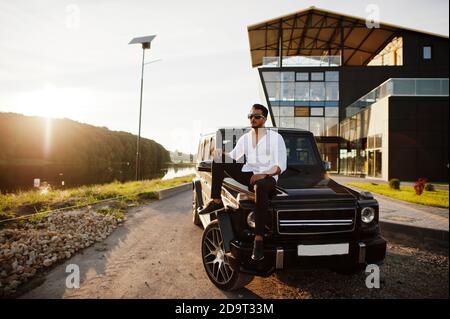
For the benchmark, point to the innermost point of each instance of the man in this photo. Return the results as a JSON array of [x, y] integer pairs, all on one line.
[[265, 154]]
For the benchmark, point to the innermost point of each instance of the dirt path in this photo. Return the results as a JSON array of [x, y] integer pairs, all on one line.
[[156, 254]]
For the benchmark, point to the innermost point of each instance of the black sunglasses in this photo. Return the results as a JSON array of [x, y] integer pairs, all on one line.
[[256, 116]]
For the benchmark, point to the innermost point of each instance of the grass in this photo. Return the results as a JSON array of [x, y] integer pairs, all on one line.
[[35, 201], [437, 198], [117, 213]]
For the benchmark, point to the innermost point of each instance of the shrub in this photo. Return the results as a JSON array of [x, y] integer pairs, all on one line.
[[429, 187], [394, 183], [419, 185]]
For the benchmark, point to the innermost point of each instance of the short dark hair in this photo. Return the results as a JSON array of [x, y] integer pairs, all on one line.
[[264, 109]]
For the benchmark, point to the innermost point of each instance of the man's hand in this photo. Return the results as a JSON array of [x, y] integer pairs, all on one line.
[[273, 171], [256, 178]]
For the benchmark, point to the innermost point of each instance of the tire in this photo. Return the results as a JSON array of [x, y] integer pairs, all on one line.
[[195, 217], [216, 262]]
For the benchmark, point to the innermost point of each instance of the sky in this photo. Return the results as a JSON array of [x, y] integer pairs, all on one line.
[[71, 59]]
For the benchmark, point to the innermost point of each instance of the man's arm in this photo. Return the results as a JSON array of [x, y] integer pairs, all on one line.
[[279, 158], [237, 152], [275, 170]]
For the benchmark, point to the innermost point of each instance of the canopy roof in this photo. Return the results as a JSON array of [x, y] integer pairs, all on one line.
[[318, 32]]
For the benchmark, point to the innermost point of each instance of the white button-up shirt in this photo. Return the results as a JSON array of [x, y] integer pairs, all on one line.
[[269, 152]]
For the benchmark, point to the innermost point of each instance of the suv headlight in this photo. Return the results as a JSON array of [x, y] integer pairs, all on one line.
[[367, 214], [251, 219]]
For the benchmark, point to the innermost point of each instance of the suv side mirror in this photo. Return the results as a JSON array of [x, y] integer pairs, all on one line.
[[326, 165], [204, 166]]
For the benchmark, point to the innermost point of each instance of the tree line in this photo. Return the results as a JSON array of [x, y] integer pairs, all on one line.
[[57, 150]]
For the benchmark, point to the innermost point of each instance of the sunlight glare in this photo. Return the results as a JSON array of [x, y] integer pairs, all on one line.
[[54, 102]]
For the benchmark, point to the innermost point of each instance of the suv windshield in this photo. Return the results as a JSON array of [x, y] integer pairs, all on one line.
[[299, 150]]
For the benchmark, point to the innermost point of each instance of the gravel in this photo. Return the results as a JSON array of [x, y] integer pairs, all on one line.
[[407, 272], [41, 244]]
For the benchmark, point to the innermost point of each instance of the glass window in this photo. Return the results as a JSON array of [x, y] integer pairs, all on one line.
[[302, 91], [200, 152], [302, 76], [287, 91], [205, 150], [287, 76], [317, 91], [302, 123], [332, 89], [302, 111], [428, 87], [332, 76], [316, 111], [316, 76], [286, 121], [275, 110], [212, 147], [427, 52], [404, 86], [272, 76], [273, 90], [316, 125], [444, 87], [286, 111], [332, 111], [370, 142], [378, 141], [378, 162], [301, 103], [331, 126], [299, 150], [370, 163], [276, 119], [287, 103]]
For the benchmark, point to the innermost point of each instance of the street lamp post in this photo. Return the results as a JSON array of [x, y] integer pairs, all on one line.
[[145, 41]]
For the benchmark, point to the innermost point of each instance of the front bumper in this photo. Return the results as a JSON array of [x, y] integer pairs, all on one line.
[[361, 252]]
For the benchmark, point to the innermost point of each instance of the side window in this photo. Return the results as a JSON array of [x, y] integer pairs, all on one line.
[[206, 150], [200, 150], [212, 146]]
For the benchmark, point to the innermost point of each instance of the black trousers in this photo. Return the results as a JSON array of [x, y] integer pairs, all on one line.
[[263, 189]]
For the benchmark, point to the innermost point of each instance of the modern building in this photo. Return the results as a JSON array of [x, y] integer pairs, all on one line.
[[375, 95]]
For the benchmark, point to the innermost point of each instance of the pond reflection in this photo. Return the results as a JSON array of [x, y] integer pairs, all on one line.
[[172, 171]]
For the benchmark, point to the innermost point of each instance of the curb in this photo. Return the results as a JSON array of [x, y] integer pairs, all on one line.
[[407, 234], [171, 191]]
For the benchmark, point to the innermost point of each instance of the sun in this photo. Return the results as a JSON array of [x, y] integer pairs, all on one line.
[[52, 102]]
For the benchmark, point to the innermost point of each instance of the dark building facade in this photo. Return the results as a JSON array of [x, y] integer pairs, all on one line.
[[365, 92]]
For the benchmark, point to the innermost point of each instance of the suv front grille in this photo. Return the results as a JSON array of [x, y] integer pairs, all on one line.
[[315, 221]]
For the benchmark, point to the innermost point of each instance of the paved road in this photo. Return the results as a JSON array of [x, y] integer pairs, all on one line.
[[395, 211], [156, 254]]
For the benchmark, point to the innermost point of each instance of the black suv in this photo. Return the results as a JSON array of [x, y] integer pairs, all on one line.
[[314, 222]]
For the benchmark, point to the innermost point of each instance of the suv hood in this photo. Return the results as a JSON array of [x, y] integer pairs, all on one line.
[[313, 188]]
